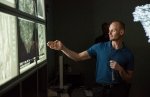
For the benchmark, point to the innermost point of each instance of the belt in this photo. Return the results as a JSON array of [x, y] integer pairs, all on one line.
[[108, 85]]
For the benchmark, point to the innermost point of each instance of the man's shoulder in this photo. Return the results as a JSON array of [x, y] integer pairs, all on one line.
[[106, 43], [101, 45]]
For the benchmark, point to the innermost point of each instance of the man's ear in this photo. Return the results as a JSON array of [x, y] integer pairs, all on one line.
[[122, 32]]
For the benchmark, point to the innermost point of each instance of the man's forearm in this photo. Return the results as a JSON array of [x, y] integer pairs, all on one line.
[[126, 75], [71, 54]]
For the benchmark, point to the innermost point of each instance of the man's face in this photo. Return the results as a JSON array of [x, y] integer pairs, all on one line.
[[115, 32]]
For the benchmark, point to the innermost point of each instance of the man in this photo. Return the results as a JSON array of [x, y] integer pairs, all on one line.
[[114, 64]]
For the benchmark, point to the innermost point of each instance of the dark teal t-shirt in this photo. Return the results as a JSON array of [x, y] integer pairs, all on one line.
[[104, 53]]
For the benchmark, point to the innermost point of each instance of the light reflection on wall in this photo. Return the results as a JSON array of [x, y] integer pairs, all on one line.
[[142, 14]]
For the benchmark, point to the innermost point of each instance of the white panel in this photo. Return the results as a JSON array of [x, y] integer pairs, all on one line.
[[8, 48], [41, 43], [41, 9], [8, 2]]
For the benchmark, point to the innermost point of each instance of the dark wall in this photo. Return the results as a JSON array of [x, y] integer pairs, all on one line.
[[74, 26], [77, 23], [50, 35]]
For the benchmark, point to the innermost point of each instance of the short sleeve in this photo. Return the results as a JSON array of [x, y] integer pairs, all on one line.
[[92, 50]]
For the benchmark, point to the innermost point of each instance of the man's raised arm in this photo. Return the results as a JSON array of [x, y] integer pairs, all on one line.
[[58, 45]]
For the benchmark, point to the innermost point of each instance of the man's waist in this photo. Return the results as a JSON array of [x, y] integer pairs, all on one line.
[[106, 85]]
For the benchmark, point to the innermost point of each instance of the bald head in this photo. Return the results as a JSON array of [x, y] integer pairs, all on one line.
[[119, 24]]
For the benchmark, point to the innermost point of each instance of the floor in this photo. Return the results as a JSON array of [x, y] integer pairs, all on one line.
[[77, 92]]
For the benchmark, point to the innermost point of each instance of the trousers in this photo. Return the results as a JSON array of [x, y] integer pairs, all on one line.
[[118, 90]]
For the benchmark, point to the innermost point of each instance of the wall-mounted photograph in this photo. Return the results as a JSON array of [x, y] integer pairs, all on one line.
[[40, 9], [41, 43], [27, 6], [10, 3], [27, 44], [8, 48]]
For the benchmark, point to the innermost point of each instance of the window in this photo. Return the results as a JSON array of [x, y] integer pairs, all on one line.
[[22, 37]]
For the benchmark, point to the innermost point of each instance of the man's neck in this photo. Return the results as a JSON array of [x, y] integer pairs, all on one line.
[[117, 44]]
